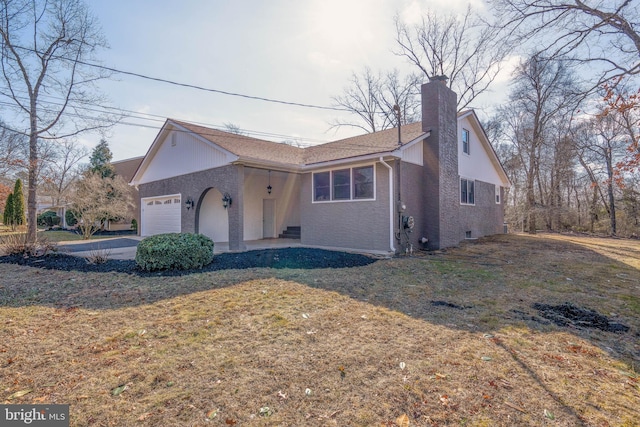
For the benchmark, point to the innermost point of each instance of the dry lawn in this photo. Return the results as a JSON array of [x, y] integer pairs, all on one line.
[[445, 338]]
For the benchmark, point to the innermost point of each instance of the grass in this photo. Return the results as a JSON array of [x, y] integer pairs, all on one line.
[[65, 236], [51, 235], [360, 346]]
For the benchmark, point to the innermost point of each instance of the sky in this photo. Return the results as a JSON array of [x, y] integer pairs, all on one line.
[[289, 50]]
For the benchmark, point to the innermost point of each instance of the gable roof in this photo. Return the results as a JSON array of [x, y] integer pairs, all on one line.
[[371, 143], [258, 151], [128, 167], [484, 140], [246, 147]]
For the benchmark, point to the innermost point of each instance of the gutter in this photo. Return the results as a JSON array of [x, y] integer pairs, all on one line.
[[391, 216]]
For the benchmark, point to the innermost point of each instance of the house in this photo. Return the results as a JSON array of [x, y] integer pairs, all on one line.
[[440, 184], [126, 169]]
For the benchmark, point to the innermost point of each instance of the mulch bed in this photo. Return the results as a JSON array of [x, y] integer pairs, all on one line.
[[295, 258]]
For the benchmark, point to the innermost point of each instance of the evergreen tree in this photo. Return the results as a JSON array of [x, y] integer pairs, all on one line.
[[100, 160], [8, 212], [19, 211]]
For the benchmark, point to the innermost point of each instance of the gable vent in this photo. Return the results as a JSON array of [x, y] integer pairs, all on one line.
[[174, 139]]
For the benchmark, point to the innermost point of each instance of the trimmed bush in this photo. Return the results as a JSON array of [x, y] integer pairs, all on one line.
[[174, 251], [48, 219], [70, 218]]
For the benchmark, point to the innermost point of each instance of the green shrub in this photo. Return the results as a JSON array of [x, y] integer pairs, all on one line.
[[134, 224], [70, 218], [174, 251], [48, 219]]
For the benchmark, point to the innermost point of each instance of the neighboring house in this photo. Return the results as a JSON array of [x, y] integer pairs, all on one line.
[[126, 169], [441, 185], [60, 210]]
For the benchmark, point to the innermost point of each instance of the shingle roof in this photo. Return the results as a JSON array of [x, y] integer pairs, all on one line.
[[256, 149], [371, 143], [247, 147], [127, 168]]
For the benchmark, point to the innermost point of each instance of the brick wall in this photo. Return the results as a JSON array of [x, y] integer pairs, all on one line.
[[485, 217], [227, 179], [441, 183], [361, 224]]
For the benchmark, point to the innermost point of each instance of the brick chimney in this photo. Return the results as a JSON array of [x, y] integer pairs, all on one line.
[[441, 179]]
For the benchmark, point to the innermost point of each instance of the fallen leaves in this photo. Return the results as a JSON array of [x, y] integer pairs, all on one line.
[[342, 371], [118, 390], [514, 406], [402, 421], [20, 393]]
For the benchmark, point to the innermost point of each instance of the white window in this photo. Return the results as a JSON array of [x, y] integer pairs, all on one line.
[[498, 194], [467, 191], [466, 142], [344, 184], [341, 184], [363, 182], [321, 186]]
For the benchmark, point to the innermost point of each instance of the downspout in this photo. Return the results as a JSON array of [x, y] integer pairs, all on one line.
[[391, 203]]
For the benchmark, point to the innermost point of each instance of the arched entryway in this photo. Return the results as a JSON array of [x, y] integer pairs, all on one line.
[[212, 217]]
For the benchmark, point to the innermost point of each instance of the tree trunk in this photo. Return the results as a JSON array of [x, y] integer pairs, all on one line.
[[33, 177], [610, 193]]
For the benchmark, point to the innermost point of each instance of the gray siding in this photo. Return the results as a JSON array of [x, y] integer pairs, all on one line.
[[349, 224]]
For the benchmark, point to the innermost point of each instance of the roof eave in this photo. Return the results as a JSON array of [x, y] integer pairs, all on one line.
[[367, 157], [267, 164]]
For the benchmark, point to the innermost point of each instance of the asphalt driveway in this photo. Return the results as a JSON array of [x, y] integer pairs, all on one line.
[[106, 244]]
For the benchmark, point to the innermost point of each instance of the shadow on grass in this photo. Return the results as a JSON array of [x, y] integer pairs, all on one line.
[[483, 287], [486, 286]]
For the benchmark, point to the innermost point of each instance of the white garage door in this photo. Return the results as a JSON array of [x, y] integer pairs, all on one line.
[[160, 215]]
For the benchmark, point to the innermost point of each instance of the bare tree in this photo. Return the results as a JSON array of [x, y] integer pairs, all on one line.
[[462, 48], [371, 98], [96, 198], [60, 172], [44, 49], [601, 143], [603, 32], [11, 148], [543, 97], [233, 128]]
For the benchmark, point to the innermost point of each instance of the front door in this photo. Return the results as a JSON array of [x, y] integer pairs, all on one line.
[[268, 218]]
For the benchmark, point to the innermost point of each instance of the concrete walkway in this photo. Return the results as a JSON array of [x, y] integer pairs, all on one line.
[[125, 247]]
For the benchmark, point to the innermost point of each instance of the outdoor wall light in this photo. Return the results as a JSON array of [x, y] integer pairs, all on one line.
[[189, 203], [226, 200], [269, 187]]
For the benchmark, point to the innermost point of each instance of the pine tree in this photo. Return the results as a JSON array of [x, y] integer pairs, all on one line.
[[8, 212], [19, 215], [100, 160]]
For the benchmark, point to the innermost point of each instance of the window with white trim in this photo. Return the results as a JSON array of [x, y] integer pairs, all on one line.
[[344, 184], [341, 184], [466, 142], [467, 191], [321, 186], [498, 194], [363, 182]]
